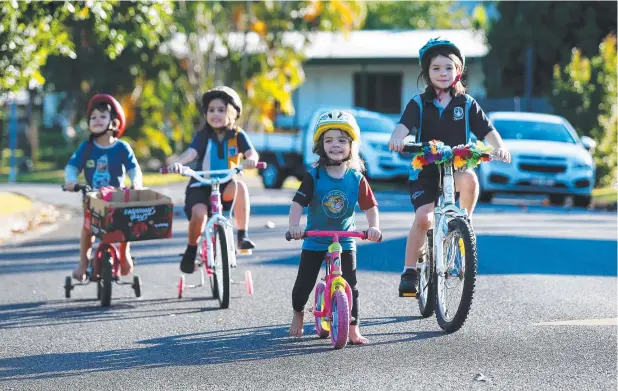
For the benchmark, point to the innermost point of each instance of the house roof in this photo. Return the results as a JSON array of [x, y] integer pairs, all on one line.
[[363, 44]]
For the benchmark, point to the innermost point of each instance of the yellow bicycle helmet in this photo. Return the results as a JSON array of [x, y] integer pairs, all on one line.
[[337, 119]]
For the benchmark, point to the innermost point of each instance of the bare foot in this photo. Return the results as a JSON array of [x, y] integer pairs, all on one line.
[[355, 336], [79, 273], [296, 329], [126, 264]]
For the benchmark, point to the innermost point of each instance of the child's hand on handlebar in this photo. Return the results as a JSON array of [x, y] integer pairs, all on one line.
[[503, 154], [250, 163], [296, 232], [374, 234], [395, 145], [175, 168]]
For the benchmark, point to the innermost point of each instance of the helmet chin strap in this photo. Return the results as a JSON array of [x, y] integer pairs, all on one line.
[[331, 163]]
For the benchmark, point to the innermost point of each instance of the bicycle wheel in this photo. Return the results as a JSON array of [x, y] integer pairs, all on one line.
[[459, 276], [340, 319], [322, 327], [426, 284], [105, 282], [222, 267]]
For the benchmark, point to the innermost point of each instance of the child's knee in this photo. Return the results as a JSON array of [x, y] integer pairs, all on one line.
[[199, 212], [422, 221], [467, 181]]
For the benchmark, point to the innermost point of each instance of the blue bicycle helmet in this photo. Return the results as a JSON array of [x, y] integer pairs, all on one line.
[[437, 42]]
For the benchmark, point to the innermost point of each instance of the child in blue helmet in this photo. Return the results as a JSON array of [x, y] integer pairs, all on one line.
[[448, 115]]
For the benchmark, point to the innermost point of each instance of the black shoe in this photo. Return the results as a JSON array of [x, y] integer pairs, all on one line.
[[407, 286], [187, 265], [245, 244]]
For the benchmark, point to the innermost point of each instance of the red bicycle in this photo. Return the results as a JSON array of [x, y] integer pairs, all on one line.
[[103, 266]]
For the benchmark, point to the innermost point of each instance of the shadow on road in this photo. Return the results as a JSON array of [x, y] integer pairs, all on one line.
[[207, 348]]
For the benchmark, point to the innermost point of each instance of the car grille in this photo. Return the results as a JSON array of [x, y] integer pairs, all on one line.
[[545, 168]]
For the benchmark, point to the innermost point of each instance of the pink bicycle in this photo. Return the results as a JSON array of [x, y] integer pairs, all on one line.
[[333, 295], [217, 252]]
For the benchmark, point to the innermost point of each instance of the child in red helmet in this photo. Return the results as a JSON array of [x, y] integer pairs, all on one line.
[[104, 158]]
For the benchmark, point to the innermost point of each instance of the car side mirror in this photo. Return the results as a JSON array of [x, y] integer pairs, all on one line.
[[588, 143]]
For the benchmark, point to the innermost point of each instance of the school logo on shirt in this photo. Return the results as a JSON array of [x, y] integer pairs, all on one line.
[[90, 163], [232, 151], [335, 203], [458, 113]]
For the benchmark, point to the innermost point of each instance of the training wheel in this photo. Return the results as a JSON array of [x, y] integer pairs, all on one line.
[[68, 286], [249, 282], [181, 286]]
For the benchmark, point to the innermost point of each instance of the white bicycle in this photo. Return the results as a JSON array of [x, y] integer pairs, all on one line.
[[218, 250], [447, 270]]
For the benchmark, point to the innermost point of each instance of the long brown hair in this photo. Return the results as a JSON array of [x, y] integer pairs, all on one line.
[[445, 51], [355, 162]]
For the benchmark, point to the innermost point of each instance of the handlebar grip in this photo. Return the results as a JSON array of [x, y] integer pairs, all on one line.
[[414, 147], [261, 165], [288, 236], [164, 170]]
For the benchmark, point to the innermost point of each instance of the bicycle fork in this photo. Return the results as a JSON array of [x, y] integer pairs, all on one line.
[[334, 281]]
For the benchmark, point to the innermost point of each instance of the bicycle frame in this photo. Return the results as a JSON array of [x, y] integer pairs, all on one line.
[[444, 212], [333, 278]]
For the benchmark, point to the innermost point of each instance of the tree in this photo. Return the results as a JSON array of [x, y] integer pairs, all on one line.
[[584, 92], [30, 32], [551, 29], [388, 15], [242, 44]]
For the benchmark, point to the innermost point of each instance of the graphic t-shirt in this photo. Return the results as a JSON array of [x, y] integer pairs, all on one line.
[[104, 166], [332, 203]]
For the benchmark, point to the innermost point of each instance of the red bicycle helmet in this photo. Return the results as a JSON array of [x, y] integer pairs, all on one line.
[[116, 107]]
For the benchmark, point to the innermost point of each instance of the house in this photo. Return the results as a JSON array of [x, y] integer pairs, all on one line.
[[377, 70]]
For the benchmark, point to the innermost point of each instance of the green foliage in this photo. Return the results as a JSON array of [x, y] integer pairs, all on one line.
[[387, 15], [585, 94], [551, 28]]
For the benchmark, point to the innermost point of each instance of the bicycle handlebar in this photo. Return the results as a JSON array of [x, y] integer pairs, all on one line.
[[418, 147], [341, 234], [83, 188], [198, 175]]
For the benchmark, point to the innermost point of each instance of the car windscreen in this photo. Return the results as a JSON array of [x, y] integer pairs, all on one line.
[[531, 130]]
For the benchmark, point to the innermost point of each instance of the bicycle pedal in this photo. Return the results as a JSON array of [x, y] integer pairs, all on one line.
[[244, 252], [407, 294]]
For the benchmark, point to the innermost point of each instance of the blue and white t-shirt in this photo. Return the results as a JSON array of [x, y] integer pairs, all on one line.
[[332, 203], [104, 166]]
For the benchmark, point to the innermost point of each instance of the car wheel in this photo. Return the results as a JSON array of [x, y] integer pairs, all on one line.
[[582, 201], [272, 177], [486, 196], [556, 199]]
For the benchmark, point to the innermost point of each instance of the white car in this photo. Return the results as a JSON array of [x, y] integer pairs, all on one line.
[[376, 130], [548, 157]]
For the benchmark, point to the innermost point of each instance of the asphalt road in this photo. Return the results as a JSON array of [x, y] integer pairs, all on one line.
[[543, 316]]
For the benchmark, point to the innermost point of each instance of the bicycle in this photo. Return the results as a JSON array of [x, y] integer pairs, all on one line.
[[333, 296], [450, 255], [220, 256], [103, 265]]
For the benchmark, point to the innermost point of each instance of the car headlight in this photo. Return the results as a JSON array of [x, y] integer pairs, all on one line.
[[379, 146]]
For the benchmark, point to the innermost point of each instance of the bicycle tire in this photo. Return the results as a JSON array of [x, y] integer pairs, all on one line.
[[426, 285], [105, 282], [340, 319], [222, 267], [322, 327], [470, 262]]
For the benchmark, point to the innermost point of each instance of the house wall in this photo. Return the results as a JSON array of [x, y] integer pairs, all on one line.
[[334, 85]]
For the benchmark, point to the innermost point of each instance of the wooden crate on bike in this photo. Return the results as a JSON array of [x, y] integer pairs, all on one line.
[[130, 215]]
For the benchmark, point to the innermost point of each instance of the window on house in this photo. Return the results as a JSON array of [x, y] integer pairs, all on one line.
[[379, 92]]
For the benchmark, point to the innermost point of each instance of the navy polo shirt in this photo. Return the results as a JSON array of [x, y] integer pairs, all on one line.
[[446, 124]]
